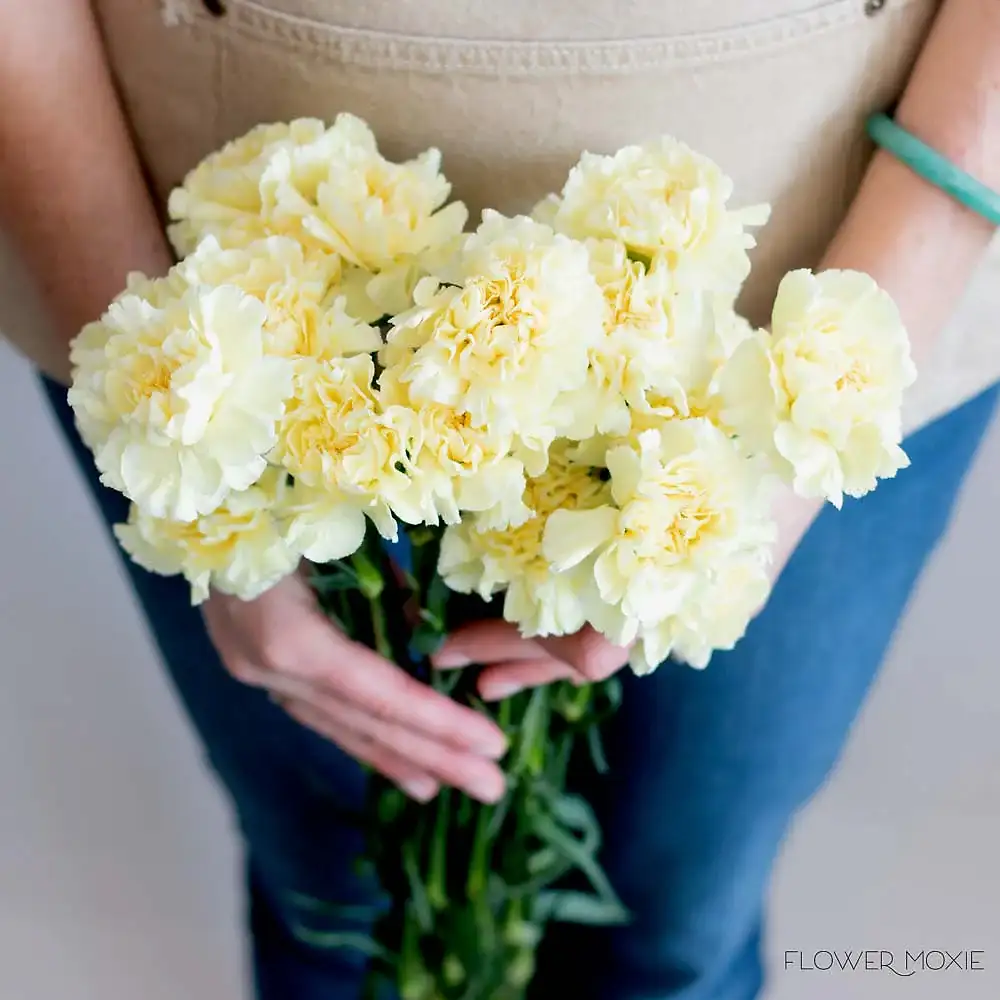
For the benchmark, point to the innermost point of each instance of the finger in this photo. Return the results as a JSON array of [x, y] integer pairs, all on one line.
[[353, 673], [474, 775], [416, 783], [587, 652], [276, 683], [501, 680], [490, 641], [283, 632]]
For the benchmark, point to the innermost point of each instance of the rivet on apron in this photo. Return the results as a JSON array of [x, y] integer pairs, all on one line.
[[872, 7]]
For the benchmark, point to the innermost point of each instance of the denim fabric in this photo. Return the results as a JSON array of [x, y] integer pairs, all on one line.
[[708, 768]]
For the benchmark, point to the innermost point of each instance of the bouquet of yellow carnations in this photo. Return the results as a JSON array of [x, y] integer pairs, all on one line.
[[563, 408]]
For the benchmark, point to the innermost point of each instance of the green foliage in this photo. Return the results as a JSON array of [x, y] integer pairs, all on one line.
[[471, 887]]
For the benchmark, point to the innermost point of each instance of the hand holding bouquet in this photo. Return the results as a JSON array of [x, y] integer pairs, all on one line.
[[564, 409]]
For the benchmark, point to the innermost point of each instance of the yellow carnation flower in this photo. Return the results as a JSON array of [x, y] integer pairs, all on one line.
[[237, 549], [341, 193], [221, 196], [653, 342], [697, 392], [175, 394], [334, 436], [332, 191], [325, 524], [684, 503], [483, 561], [306, 314], [715, 617], [821, 395], [510, 331], [452, 463], [661, 199]]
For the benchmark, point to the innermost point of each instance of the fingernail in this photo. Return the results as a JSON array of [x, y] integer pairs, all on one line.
[[497, 692], [421, 789], [450, 658], [494, 748], [486, 790]]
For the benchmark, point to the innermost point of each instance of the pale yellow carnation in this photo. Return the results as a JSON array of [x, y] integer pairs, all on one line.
[[221, 196], [306, 314], [539, 600], [343, 194], [684, 503], [237, 549], [174, 392], [653, 342], [510, 331], [325, 524], [822, 393], [452, 463], [698, 392], [334, 436], [661, 198], [715, 617]]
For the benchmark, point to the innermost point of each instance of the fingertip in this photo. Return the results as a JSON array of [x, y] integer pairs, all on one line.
[[489, 789], [420, 788], [498, 690], [449, 658], [494, 746]]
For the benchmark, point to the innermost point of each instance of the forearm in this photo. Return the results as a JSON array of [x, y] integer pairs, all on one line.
[[917, 242], [73, 197]]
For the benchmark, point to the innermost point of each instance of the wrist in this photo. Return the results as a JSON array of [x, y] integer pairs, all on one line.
[[793, 516]]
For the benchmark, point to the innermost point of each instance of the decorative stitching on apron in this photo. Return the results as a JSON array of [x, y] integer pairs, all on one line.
[[428, 54], [175, 12]]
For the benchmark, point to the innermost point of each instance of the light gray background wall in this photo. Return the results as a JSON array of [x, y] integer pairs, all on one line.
[[117, 859]]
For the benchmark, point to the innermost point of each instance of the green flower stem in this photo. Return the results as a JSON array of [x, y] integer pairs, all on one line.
[[472, 886], [479, 863], [437, 891], [371, 584], [383, 644]]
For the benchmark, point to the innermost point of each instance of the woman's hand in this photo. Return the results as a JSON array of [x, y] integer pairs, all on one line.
[[369, 707], [514, 663]]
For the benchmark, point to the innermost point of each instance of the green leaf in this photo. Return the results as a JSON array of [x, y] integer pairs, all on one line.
[[436, 600], [575, 812], [596, 746], [581, 853], [445, 681], [498, 815], [532, 735], [351, 940], [344, 911], [612, 692], [391, 804], [541, 859], [329, 584], [370, 581], [571, 907], [418, 891], [427, 638], [546, 866]]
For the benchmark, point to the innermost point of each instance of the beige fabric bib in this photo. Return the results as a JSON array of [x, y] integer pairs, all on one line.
[[511, 92]]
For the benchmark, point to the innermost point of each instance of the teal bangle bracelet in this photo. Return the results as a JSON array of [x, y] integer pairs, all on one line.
[[933, 167]]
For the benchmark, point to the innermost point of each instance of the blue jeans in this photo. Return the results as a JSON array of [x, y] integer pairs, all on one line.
[[707, 768]]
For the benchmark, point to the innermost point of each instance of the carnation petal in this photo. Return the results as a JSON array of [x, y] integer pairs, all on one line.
[[572, 535]]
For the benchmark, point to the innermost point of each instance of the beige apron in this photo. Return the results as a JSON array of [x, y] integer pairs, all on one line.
[[512, 90]]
